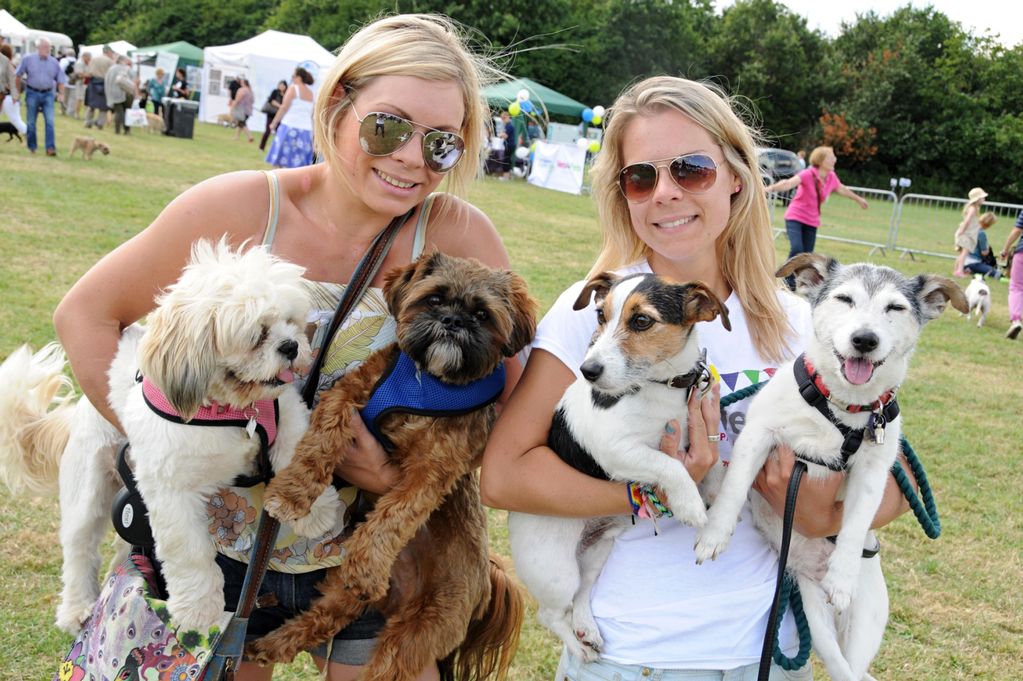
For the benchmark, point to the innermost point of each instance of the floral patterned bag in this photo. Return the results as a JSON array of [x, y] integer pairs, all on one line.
[[130, 635]]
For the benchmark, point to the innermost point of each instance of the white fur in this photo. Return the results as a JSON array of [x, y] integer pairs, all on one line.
[[559, 559], [846, 604], [978, 298], [202, 344]]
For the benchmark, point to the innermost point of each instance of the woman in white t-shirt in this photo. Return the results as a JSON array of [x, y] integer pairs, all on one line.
[[678, 193]]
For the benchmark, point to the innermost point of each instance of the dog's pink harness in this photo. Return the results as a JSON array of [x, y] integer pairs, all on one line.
[[258, 419], [260, 413]]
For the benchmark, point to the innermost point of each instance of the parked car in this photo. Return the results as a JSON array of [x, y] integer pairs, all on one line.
[[777, 164]]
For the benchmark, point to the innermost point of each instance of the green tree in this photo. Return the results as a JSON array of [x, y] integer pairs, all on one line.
[[763, 51]]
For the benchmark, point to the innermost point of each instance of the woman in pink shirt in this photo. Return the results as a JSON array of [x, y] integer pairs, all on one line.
[[803, 216]]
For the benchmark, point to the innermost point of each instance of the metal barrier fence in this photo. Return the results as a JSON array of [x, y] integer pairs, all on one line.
[[915, 224], [926, 225], [843, 220]]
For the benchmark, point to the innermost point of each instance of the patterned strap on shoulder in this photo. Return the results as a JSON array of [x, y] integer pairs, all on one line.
[[275, 207]]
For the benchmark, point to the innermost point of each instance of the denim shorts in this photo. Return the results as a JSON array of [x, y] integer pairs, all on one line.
[[573, 669], [353, 645]]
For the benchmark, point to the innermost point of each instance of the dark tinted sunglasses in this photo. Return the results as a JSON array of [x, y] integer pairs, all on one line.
[[382, 134], [695, 173]]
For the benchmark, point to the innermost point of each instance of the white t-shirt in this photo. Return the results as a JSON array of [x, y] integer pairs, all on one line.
[[654, 605]]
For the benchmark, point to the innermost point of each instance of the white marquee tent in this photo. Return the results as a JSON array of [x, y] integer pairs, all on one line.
[[23, 39], [121, 47], [264, 60]]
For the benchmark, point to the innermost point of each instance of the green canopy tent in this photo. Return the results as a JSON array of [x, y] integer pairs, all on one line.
[[188, 54], [500, 95]]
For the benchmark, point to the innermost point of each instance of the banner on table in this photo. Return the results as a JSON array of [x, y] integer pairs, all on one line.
[[558, 166]]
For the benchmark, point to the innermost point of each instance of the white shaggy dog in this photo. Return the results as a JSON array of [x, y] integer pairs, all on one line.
[[644, 360], [227, 334], [866, 323], [978, 299]]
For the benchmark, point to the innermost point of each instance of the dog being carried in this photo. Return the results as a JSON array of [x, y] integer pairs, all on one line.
[[421, 555], [642, 365], [867, 320], [224, 337]]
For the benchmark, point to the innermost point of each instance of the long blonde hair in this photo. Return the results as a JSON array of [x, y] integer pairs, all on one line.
[[422, 45], [745, 249]]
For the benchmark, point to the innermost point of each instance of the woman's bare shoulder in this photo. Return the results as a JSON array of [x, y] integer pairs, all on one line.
[[459, 228]]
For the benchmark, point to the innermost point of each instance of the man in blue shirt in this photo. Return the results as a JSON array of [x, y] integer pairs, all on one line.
[[42, 80]]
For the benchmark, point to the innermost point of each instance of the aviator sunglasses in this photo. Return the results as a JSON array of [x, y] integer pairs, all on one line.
[[695, 173], [382, 134]]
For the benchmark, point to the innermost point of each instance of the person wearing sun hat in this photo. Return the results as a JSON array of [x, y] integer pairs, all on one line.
[[969, 228]]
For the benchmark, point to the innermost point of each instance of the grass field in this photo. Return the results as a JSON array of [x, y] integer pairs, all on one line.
[[957, 609]]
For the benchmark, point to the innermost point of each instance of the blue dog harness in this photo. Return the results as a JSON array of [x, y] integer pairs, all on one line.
[[405, 389]]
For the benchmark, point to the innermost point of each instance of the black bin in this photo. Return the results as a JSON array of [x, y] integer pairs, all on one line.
[[181, 114]]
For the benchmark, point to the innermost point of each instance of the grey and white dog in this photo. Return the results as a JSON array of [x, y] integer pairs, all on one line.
[[866, 322]]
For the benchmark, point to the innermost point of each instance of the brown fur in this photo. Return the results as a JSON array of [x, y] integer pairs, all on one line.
[[421, 555], [156, 123], [88, 145], [225, 119]]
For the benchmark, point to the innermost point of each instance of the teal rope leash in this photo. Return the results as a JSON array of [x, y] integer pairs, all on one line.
[[926, 512], [790, 595]]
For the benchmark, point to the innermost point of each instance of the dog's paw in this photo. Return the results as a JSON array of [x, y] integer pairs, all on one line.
[[287, 508], [690, 512], [270, 650], [711, 542], [583, 651], [322, 517], [71, 614], [837, 589], [196, 613], [587, 633]]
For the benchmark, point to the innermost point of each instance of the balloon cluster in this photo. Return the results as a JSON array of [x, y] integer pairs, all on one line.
[[594, 116], [521, 103]]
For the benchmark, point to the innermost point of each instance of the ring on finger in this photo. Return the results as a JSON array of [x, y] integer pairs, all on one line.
[[714, 438]]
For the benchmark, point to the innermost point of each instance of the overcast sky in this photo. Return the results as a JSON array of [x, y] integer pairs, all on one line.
[[1002, 17]]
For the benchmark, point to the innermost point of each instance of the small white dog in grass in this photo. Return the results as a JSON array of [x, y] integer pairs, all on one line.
[[866, 322], [644, 361], [224, 339], [978, 299]]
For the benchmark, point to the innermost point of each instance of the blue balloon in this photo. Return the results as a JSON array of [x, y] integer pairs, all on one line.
[[526, 106], [587, 114]]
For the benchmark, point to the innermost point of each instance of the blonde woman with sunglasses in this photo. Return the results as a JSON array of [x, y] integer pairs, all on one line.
[[399, 112], [678, 193]]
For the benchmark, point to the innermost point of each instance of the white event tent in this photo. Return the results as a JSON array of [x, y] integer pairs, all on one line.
[[121, 47], [23, 39], [265, 60]]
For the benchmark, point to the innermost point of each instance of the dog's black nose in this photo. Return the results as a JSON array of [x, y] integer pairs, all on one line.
[[289, 349], [865, 341], [591, 370], [452, 321]]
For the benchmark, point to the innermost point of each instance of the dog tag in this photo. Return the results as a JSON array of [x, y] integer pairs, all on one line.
[[877, 424], [250, 428]]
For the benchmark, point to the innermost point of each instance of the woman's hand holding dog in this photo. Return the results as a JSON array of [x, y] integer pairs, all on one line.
[[365, 464], [817, 512], [704, 420]]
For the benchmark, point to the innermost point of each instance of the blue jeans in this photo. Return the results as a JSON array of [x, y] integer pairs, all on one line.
[[36, 101], [802, 238]]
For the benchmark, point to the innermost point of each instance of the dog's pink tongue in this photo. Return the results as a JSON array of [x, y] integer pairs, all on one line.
[[286, 376], [858, 370]]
